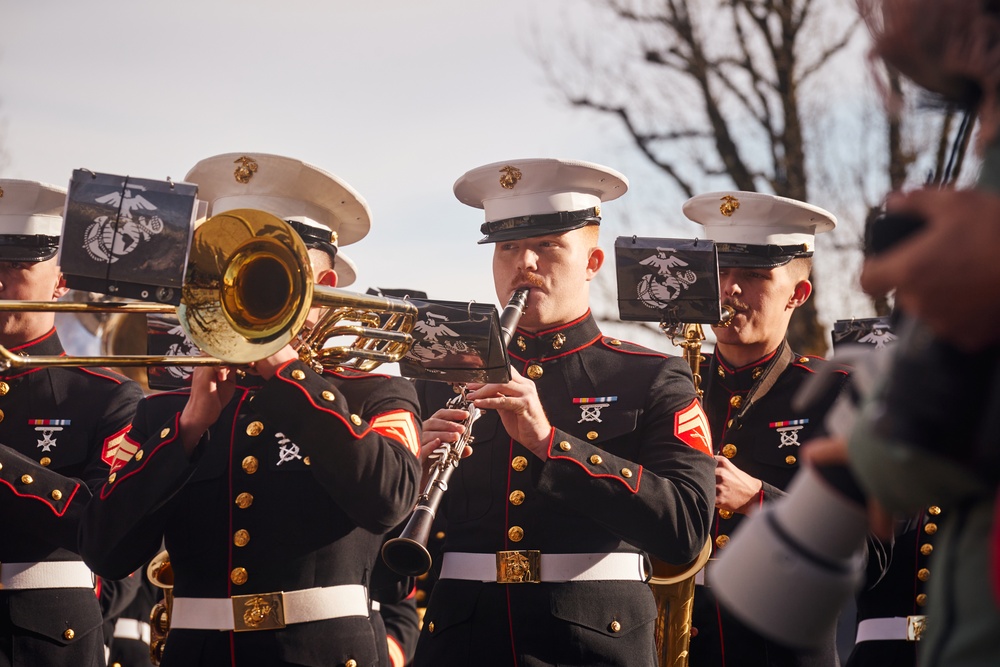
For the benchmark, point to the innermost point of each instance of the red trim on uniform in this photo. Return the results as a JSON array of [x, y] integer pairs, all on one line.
[[99, 585], [564, 353], [45, 336], [396, 655], [305, 392], [765, 358], [638, 474], [43, 500], [116, 380], [638, 353]]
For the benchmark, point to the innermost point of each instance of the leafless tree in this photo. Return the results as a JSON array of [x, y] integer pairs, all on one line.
[[761, 95]]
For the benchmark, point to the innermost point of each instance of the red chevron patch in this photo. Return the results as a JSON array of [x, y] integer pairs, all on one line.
[[402, 426], [118, 449], [691, 427]]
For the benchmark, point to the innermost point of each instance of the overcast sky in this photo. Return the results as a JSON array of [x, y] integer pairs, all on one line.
[[397, 97]]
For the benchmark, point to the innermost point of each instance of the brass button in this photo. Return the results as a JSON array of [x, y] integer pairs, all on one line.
[[308, 461], [27, 479], [565, 446], [933, 510], [420, 596], [298, 375], [923, 574], [736, 401], [69, 634], [112, 477], [519, 463], [328, 395], [725, 514], [757, 372], [430, 627], [626, 473], [1, 415], [516, 497], [4, 388], [729, 451], [790, 460], [356, 420], [729, 424], [615, 342], [926, 549], [591, 435], [930, 528], [244, 500], [241, 538], [516, 533], [535, 371], [558, 341], [139, 454], [45, 462], [439, 535], [351, 663], [56, 494], [721, 541], [803, 360], [239, 576], [615, 626], [255, 428], [596, 459], [164, 433], [922, 599], [250, 465], [1, 466]]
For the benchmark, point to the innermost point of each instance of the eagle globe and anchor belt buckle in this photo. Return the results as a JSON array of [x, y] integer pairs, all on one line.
[[260, 611], [519, 567]]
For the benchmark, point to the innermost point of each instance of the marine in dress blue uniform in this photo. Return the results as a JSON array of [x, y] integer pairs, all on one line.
[[284, 500], [60, 431], [544, 557], [749, 400]]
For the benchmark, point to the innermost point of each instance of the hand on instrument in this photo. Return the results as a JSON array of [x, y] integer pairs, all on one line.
[[212, 387], [439, 431], [519, 408], [735, 490]]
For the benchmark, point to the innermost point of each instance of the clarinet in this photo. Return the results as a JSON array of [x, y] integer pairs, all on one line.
[[407, 554]]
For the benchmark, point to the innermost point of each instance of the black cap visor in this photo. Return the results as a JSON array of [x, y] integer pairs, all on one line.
[[27, 248], [529, 226], [743, 255]]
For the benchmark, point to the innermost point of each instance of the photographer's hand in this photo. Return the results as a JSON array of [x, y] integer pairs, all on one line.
[[946, 275]]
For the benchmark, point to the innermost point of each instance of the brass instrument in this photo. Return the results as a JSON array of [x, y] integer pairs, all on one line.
[[247, 293], [673, 585], [160, 574], [408, 554]]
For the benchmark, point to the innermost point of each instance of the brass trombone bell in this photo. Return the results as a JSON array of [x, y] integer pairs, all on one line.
[[247, 293]]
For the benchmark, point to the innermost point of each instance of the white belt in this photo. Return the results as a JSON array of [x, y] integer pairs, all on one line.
[[50, 574], [130, 628], [269, 611], [900, 628], [532, 566]]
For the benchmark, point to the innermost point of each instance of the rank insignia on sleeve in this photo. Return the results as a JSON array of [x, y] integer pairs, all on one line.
[[402, 426], [590, 408], [691, 427], [789, 431], [118, 449]]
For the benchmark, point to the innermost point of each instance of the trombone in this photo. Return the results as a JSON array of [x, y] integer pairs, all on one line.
[[246, 294]]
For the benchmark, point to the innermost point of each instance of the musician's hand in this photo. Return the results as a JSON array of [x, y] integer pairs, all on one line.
[[266, 368], [734, 489], [212, 387], [443, 428], [519, 408]]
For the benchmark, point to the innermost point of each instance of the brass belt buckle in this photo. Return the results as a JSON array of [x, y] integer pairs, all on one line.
[[262, 611], [519, 567], [915, 626]]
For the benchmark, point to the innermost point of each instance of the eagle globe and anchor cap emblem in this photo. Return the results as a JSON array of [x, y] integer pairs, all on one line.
[[246, 169]]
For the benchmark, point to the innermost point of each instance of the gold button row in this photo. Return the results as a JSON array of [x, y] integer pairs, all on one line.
[[519, 463]]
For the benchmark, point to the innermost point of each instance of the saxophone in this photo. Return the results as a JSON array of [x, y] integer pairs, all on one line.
[[673, 585]]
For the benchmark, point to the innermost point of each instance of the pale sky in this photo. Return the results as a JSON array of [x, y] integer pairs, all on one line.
[[399, 98]]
